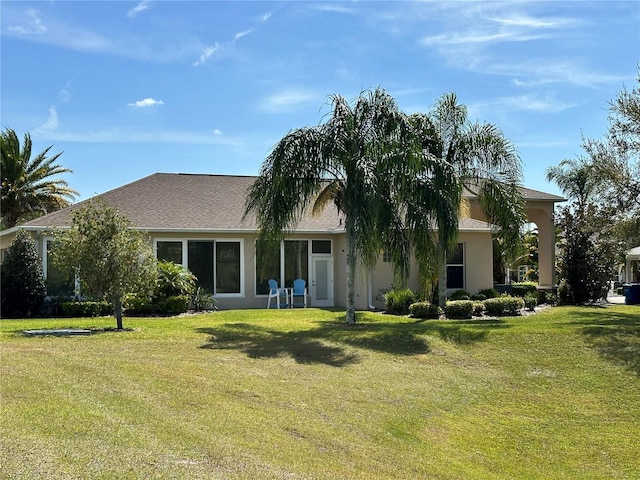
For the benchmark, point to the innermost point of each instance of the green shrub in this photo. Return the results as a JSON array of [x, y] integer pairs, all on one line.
[[425, 310], [22, 287], [478, 308], [398, 301], [460, 295], [522, 289], [489, 292], [546, 296], [478, 297], [203, 300], [530, 302], [86, 309], [174, 279], [135, 305], [52, 306], [175, 304], [459, 309], [504, 305]]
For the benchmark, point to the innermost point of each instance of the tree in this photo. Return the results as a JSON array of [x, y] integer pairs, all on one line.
[[108, 256], [586, 258], [577, 178], [29, 186], [361, 160], [484, 163], [397, 181], [21, 279]]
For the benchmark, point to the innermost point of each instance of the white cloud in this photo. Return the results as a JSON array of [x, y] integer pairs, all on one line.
[[288, 100], [52, 123], [147, 102], [217, 131], [243, 34], [142, 6], [265, 16], [33, 24], [64, 95], [206, 54]]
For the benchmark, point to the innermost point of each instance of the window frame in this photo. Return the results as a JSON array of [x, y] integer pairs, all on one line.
[[215, 240], [462, 265], [281, 272]]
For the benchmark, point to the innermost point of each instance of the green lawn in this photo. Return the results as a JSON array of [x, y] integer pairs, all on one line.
[[267, 394]]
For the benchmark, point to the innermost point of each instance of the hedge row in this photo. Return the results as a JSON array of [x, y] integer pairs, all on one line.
[[459, 309]]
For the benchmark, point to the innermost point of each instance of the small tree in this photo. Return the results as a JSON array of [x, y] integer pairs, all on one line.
[[22, 287], [586, 258], [110, 258]]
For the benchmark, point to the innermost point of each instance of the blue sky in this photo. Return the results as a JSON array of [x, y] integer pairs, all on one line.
[[127, 89]]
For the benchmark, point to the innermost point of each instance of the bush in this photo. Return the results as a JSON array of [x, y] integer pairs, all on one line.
[[478, 309], [22, 286], [136, 305], [425, 310], [504, 305], [478, 297], [489, 292], [203, 300], [522, 289], [398, 301], [460, 295], [86, 309], [52, 306], [175, 304], [530, 302], [174, 279], [459, 309]]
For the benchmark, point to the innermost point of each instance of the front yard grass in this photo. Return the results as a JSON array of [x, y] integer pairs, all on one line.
[[263, 394]]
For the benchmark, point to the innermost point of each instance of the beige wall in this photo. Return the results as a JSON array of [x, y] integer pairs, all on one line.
[[478, 271], [540, 213]]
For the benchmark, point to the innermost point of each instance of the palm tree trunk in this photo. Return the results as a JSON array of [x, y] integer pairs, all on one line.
[[351, 278]]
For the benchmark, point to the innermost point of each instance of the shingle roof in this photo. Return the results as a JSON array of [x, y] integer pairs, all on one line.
[[186, 202], [198, 202]]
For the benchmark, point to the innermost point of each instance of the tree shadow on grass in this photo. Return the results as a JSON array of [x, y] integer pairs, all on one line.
[[326, 344], [614, 334]]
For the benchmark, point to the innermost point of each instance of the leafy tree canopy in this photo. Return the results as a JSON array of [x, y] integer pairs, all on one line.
[[109, 257]]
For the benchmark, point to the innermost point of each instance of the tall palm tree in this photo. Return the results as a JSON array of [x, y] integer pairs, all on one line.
[[366, 159], [484, 163], [577, 178], [29, 188]]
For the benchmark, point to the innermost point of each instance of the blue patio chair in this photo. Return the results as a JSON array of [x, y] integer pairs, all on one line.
[[299, 292], [277, 293]]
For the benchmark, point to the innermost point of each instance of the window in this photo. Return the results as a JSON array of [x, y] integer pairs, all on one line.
[[522, 272], [455, 268], [287, 262], [227, 267], [217, 265], [200, 263], [386, 257], [267, 266], [321, 246], [170, 252], [296, 261]]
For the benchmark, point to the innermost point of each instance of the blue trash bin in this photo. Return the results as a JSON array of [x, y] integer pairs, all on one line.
[[631, 293]]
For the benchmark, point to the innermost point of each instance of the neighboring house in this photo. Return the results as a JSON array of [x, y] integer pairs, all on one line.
[[631, 270], [196, 220]]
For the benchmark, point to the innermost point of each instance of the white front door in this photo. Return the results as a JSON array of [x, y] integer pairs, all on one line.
[[321, 288]]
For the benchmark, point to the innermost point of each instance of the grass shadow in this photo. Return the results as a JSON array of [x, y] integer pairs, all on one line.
[[260, 342], [326, 343], [614, 334]]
